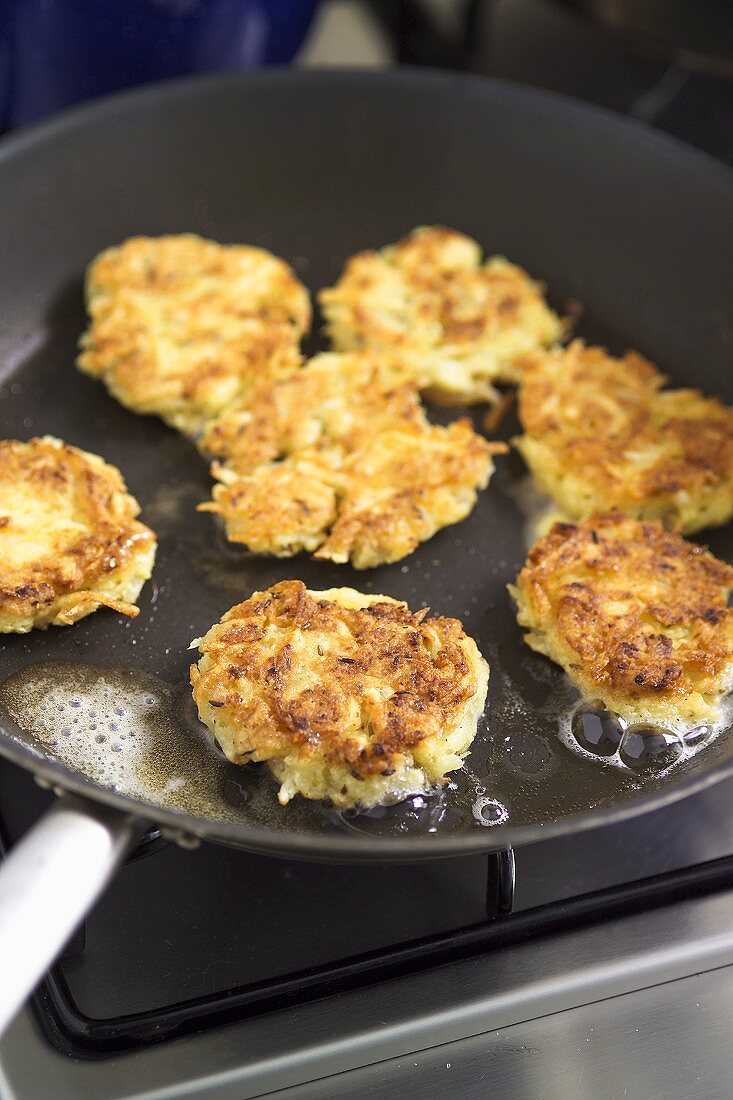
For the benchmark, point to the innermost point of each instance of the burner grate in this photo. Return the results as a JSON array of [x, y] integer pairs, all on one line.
[[74, 1033]]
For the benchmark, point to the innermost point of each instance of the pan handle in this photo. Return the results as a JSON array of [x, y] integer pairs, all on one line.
[[48, 883]]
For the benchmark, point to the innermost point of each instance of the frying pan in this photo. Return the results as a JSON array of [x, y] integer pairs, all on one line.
[[316, 166]]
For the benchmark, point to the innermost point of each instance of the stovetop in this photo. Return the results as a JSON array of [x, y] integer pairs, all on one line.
[[539, 43], [185, 940], [198, 963]]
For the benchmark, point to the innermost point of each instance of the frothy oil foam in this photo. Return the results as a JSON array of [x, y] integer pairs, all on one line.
[[125, 730]]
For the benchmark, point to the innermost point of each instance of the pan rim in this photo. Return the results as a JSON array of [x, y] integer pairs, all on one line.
[[348, 846], [342, 847], [181, 87]]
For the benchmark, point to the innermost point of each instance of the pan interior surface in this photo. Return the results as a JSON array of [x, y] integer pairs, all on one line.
[[316, 167]]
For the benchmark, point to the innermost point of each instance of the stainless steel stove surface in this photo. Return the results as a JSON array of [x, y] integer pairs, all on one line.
[[603, 970], [214, 973]]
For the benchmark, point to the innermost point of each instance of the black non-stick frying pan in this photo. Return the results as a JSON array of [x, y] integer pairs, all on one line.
[[316, 166]]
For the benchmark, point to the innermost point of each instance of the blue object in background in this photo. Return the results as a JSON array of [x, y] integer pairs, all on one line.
[[57, 52]]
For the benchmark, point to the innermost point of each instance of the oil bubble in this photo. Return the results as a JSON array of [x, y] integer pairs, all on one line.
[[650, 750], [597, 730], [489, 812], [698, 735]]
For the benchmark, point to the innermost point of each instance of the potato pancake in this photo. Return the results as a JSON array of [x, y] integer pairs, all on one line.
[[69, 540], [347, 697], [184, 328], [457, 324], [341, 460], [636, 616], [601, 433]]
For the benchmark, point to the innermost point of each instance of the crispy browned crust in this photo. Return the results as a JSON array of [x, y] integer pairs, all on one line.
[[340, 459], [635, 614], [601, 433], [69, 539], [456, 322], [183, 327], [286, 670]]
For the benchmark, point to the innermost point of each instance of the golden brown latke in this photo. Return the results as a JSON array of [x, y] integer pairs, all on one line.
[[634, 614], [183, 328], [601, 433], [455, 323], [69, 540], [347, 697], [340, 459]]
